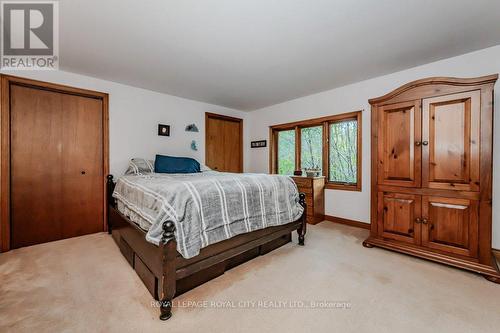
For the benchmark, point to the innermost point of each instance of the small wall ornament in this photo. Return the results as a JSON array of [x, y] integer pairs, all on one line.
[[163, 130], [194, 145], [192, 128]]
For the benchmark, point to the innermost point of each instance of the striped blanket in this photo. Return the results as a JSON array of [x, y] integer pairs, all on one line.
[[206, 207]]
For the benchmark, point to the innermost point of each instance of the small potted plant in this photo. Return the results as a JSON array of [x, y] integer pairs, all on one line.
[[315, 171]]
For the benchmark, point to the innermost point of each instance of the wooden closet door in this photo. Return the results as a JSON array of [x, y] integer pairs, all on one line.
[[56, 165], [450, 157], [399, 151], [450, 225], [215, 144], [399, 217], [232, 146], [224, 145], [82, 161]]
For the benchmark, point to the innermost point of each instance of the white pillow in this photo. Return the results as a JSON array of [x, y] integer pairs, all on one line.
[[140, 166]]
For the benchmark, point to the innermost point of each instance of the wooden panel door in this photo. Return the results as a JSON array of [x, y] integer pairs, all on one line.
[[56, 165], [214, 147], [450, 225], [224, 143], [82, 161], [450, 157], [399, 153], [398, 217]]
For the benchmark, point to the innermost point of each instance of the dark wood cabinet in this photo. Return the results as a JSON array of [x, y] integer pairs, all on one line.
[[314, 189], [432, 175]]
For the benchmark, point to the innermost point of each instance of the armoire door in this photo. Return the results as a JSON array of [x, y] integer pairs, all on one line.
[[224, 143], [399, 150], [56, 156], [450, 142], [450, 225], [399, 217]]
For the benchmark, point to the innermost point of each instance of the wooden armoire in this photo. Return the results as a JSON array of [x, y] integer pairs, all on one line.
[[432, 154]]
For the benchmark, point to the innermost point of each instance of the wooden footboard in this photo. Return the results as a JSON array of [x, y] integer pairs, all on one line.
[[167, 274]]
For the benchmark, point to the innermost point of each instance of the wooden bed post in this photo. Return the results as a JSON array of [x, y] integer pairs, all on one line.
[[302, 230], [110, 201], [169, 249]]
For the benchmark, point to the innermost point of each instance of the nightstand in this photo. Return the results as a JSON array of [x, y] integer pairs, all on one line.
[[314, 189]]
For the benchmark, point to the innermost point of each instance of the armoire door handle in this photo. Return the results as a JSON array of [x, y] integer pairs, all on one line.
[[418, 143], [418, 220], [425, 143], [82, 172], [424, 221]]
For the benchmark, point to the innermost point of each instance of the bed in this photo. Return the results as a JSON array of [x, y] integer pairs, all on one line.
[[180, 231]]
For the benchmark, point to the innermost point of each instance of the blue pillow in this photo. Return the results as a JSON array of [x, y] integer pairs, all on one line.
[[170, 164]]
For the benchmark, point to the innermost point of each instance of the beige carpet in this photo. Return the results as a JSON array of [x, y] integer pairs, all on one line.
[[70, 286]]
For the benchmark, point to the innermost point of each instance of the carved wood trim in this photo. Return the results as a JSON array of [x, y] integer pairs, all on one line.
[[451, 81]]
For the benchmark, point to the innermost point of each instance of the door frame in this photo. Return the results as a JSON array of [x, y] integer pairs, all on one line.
[[5, 82], [209, 115]]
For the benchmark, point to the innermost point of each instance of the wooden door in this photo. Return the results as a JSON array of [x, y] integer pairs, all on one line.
[[399, 151], [224, 143], [399, 217], [56, 157], [450, 157], [450, 225]]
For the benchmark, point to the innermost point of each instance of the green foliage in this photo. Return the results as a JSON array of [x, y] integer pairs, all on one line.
[[312, 148], [343, 152], [286, 152]]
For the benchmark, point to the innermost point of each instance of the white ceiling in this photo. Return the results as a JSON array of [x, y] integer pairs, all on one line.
[[247, 54]]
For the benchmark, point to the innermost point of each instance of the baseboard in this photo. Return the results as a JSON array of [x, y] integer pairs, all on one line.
[[348, 222], [496, 254]]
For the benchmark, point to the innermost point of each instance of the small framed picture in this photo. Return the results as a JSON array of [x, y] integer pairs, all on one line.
[[163, 130], [258, 144]]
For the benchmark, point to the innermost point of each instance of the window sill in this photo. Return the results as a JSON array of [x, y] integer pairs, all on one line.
[[334, 186]]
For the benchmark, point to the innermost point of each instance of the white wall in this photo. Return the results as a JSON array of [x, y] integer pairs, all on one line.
[[134, 115], [356, 205]]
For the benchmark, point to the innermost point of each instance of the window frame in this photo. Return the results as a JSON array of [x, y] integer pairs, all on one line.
[[325, 122]]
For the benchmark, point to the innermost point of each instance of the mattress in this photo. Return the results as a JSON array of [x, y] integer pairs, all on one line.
[[206, 207]]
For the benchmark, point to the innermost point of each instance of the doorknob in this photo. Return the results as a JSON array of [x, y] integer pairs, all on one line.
[[425, 143]]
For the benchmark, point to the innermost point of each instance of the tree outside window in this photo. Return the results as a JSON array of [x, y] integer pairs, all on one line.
[[340, 163]]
